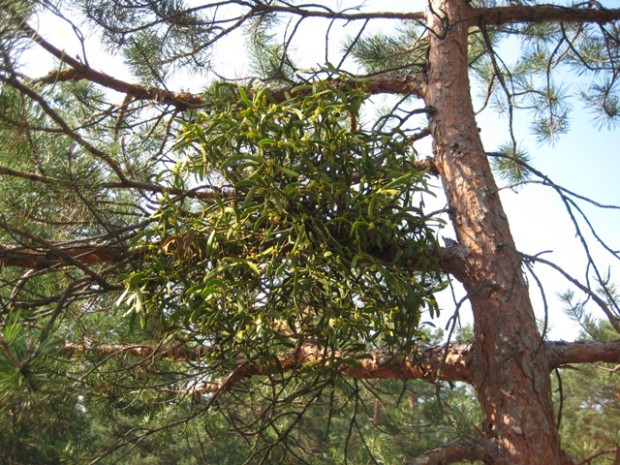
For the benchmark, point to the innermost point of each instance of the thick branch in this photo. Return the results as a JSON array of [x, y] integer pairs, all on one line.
[[464, 449], [431, 364], [40, 259], [488, 16], [81, 71], [451, 258], [382, 364], [407, 84], [562, 353], [541, 14], [325, 12], [445, 363], [54, 250]]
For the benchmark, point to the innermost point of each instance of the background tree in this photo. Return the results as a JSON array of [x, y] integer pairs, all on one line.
[[259, 253]]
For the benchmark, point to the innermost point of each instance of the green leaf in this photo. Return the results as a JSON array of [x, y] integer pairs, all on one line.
[[287, 171]]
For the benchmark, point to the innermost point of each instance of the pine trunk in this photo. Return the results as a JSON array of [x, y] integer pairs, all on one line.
[[510, 367]]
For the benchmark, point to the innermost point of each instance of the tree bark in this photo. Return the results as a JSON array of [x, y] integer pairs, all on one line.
[[464, 449], [510, 369], [446, 363]]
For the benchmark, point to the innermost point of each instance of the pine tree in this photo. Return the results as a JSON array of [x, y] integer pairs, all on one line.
[[258, 256]]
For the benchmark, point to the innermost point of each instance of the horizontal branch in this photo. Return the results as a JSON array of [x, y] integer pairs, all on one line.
[[479, 449], [40, 258], [563, 353], [430, 364], [325, 12], [541, 14], [436, 363], [54, 250], [390, 83], [488, 16], [6, 171], [56, 255], [203, 192], [406, 84], [168, 351]]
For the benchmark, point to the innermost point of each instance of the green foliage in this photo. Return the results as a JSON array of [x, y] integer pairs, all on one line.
[[11, 37], [156, 37], [403, 52], [603, 101], [268, 58], [313, 227], [511, 163], [35, 406]]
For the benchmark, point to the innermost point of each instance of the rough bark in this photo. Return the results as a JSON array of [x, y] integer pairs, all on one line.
[[451, 362], [540, 14], [464, 449], [40, 259], [563, 353], [431, 364], [509, 368]]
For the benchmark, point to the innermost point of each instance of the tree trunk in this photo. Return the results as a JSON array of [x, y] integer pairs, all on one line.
[[510, 370]]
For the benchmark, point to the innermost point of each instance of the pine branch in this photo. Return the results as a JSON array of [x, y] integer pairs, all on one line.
[[66, 129], [408, 84], [81, 71], [50, 255], [53, 250], [564, 353], [442, 362], [540, 14], [46, 257], [473, 448], [431, 364], [324, 12], [6, 171]]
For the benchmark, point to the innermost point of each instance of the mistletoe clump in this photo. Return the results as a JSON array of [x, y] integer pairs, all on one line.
[[312, 235]]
